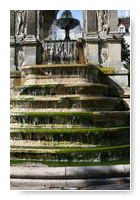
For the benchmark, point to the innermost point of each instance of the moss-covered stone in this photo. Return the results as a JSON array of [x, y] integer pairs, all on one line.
[[108, 70], [98, 154], [15, 74], [64, 164], [86, 136]]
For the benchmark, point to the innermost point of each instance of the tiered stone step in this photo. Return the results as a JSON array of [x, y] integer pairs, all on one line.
[[71, 154], [94, 89], [62, 116], [95, 119], [47, 136], [65, 70], [68, 101]]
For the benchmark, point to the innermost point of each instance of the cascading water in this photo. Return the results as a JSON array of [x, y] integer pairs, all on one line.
[[60, 52]]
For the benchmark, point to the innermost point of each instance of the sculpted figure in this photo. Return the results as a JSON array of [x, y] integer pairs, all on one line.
[[102, 20], [20, 57], [104, 53], [20, 22]]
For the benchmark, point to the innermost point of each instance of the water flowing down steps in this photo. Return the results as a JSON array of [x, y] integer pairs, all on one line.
[[64, 116]]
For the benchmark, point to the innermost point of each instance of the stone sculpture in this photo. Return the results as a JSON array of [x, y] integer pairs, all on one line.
[[103, 26], [20, 23], [20, 56], [104, 54]]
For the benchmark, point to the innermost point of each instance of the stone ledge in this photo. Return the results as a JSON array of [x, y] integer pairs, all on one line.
[[42, 172], [69, 184]]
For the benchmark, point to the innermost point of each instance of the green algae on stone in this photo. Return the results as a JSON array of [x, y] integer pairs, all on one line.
[[65, 164], [108, 70], [69, 130], [74, 154]]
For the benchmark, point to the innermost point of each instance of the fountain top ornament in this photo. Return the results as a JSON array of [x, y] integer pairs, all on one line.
[[67, 22]]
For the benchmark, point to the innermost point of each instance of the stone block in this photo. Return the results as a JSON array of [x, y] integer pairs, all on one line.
[[91, 52], [30, 55]]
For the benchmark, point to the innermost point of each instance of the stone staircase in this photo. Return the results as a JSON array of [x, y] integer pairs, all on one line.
[[64, 116]]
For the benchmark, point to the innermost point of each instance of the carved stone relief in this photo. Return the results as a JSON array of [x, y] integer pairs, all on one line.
[[20, 56], [104, 53]]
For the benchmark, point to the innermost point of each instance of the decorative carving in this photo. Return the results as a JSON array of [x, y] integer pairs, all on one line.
[[103, 53], [103, 26], [20, 57], [20, 24]]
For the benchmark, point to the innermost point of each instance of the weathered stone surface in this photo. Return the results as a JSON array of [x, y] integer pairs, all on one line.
[[37, 172]]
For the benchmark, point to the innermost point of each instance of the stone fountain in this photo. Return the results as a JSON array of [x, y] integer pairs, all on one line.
[[66, 121], [62, 51]]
